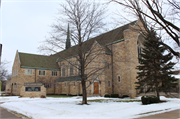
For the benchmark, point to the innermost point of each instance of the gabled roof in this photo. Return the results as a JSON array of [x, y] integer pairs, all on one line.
[[103, 40], [37, 61], [49, 62]]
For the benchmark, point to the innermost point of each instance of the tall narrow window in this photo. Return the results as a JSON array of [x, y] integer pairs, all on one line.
[[78, 69], [42, 72], [119, 79], [63, 70], [71, 70], [139, 52], [109, 83]]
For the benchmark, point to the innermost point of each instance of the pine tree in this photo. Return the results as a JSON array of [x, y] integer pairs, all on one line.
[[155, 67]]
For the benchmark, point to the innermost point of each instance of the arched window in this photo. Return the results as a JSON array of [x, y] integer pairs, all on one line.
[[139, 52], [63, 70], [78, 69], [71, 69]]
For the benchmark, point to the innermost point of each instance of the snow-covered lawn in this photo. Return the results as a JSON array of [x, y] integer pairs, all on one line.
[[62, 108]]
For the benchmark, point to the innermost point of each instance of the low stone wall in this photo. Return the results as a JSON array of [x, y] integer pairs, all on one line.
[[33, 91]]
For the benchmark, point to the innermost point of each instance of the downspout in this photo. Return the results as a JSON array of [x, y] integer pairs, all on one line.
[[35, 75], [112, 68]]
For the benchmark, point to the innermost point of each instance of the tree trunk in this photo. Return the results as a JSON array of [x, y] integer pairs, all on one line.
[[84, 100], [157, 93]]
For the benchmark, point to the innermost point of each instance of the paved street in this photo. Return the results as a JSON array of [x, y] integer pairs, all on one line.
[[4, 114], [167, 115]]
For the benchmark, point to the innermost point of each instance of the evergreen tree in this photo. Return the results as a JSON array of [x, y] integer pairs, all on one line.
[[155, 67]]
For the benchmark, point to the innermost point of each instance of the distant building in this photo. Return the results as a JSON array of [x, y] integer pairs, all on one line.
[[121, 49]]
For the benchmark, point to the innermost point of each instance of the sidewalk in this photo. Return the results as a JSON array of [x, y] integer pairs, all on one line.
[[175, 114], [4, 114]]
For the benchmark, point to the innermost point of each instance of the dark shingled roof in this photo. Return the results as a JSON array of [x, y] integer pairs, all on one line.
[[38, 61], [49, 62], [103, 39]]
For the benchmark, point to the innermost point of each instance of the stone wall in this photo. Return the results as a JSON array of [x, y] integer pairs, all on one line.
[[19, 77], [24, 93]]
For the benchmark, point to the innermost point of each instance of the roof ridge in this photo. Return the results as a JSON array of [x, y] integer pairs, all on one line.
[[34, 54], [96, 37]]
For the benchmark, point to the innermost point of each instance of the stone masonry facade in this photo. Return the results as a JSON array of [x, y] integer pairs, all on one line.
[[119, 76]]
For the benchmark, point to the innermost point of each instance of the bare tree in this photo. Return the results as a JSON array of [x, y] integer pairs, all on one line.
[[154, 13], [4, 74], [3, 71], [86, 20]]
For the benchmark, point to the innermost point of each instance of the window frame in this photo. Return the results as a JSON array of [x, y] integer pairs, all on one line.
[[118, 80], [63, 67], [71, 69], [27, 73], [78, 69], [42, 71], [53, 72]]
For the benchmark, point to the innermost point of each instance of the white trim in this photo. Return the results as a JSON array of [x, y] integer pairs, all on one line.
[[27, 71], [18, 57]]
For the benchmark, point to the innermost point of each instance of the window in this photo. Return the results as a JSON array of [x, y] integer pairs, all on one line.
[[15, 86], [109, 83], [33, 89], [71, 70], [139, 52], [42, 72], [17, 72], [53, 73], [47, 85], [28, 71], [63, 70], [119, 79], [78, 69]]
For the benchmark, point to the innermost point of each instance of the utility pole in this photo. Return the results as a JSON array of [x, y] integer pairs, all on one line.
[[0, 65]]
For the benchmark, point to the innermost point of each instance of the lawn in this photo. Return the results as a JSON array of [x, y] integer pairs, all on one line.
[[99, 107], [58, 96]]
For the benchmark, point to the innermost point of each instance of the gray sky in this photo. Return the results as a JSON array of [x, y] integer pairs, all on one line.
[[25, 23]]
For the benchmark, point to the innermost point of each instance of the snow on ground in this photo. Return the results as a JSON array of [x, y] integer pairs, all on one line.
[[63, 108]]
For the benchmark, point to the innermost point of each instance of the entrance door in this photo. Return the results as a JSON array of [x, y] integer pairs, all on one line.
[[96, 87]]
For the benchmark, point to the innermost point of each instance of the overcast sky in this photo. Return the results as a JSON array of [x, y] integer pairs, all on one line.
[[25, 23]]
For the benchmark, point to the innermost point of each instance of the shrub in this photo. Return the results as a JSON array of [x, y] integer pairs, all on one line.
[[80, 94], [115, 95], [154, 99], [149, 99], [125, 96], [42, 96], [145, 100], [106, 95]]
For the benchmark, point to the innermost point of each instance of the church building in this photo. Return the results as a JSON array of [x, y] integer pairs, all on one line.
[[120, 53]]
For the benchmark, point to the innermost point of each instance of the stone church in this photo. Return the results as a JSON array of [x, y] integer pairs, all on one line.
[[121, 48]]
